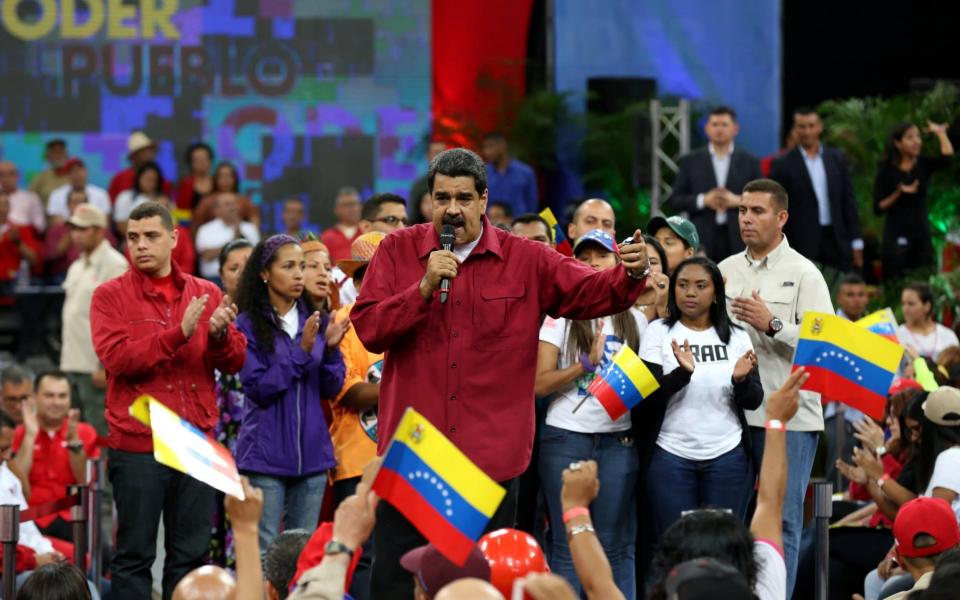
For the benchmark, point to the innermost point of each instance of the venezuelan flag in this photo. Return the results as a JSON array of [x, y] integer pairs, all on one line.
[[622, 383], [561, 241], [847, 363], [436, 487], [882, 322]]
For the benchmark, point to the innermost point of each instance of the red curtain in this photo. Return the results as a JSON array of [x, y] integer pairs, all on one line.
[[479, 54]]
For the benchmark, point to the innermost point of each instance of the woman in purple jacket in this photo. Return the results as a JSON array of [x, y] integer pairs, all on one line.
[[284, 446]]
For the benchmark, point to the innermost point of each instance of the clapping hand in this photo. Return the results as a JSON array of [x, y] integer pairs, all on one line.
[[745, 364], [336, 330], [191, 316], [854, 474], [31, 425], [599, 344], [869, 433], [753, 311], [221, 318], [867, 461], [684, 355], [310, 330]]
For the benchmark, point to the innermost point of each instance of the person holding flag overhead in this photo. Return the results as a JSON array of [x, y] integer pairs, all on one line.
[[697, 436], [466, 359], [579, 428]]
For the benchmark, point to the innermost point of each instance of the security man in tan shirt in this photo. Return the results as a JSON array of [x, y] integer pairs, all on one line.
[[769, 287]]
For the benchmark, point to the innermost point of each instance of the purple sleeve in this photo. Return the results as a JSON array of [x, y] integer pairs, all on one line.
[[266, 379]]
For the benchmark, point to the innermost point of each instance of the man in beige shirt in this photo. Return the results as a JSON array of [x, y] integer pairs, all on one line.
[[97, 263], [769, 287]]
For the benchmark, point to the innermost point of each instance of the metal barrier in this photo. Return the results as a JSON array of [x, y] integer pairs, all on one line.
[[84, 504], [822, 511]]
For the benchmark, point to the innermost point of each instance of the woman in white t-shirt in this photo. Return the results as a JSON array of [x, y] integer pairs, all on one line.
[[919, 330], [570, 353], [700, 457], [147, 186]]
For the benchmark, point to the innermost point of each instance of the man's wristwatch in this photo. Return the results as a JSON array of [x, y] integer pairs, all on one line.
[[75, 447], [775, 326], [337, 547], [646, 272]]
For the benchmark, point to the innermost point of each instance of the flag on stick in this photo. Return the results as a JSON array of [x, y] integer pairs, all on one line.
[[622, 383], [561, 241], [882, 322]]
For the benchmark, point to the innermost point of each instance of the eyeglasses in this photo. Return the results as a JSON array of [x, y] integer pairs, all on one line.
[[391, 220]]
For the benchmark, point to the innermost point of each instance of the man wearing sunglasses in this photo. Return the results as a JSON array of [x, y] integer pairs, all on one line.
[[385, 213]]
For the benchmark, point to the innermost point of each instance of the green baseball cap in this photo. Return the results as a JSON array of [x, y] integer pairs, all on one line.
[[680, 226]]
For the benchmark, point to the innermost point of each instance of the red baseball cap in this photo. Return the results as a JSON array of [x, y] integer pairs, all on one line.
[[903, 384], [434, 570], [71, 163], [928, 516]]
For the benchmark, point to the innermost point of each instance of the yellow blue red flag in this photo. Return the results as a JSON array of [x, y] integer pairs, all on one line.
[[562, 243], [622, 383], [846, 362], [882, 322], [436, 487]]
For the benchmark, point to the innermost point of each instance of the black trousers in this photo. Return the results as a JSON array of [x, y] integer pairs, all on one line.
[[394, 536], [830, 253], [360, 584], [143, 489]]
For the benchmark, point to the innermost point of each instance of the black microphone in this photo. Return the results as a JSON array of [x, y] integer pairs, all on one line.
[[446, 240]]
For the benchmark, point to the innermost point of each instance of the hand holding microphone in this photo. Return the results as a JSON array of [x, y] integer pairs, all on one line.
[[442, 266]]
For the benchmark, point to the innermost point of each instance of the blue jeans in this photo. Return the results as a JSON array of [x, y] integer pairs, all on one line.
[[801, 450], [677, 484], [295, 501], [614, 511]]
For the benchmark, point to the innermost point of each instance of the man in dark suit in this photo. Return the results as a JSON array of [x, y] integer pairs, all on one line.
[[824, 225], [709, 183]]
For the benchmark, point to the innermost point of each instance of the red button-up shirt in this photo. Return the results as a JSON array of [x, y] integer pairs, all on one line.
[[469, 365], [51, 473]]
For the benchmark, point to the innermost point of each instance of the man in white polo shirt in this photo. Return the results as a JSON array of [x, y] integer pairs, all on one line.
[[769, 288], [213, 236], [77, 180]]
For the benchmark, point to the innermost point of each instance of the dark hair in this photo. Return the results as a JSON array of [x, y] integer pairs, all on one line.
[[652, 241], [719, 318], [722, 110], [852, 279], [152, 209], [237, 244], [371, 208], [55, 581], [934, 439], [55, 142], [51, 374], [924, 292], [6, 420], [805, 110], [233, 170], [148, 166], [458, 162], [891, 155], [527, 218], [188, 155], [254, 299], [769, 186], [280, 559], [15, 375], [507, 209], [705, 534]]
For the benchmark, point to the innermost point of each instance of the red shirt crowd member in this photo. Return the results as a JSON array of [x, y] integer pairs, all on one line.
[[140, 150], [160, 332], [468, 364], [348, 210], [52, 448], [17, 242], [199, 183]]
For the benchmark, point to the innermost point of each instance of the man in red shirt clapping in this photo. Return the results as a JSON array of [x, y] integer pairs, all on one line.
[[160, 332]]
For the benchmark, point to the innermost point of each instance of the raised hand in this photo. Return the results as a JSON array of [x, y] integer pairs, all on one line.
[[753, 311], [683, 355], [937, 128], [869, 433], [634, 255], [599, 344], [192, 315], [335, 331], [785, 402], [544, 586], [580, 485], [854, 474], [221, 318], [442, 263], [661, 286], [310, 330], [355, 517], [910, 188], [245, 514], [73, 419], [868, 461], [744, 365], [31, 425]]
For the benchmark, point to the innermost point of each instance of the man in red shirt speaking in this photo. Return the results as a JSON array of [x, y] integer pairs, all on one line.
[[160, 332], [468, 364]]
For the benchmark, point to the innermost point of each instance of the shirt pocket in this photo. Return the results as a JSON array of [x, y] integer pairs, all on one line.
[[491, 317], [782, 303]]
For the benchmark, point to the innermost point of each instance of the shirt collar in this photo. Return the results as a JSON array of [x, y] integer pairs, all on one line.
[[770, 260], [179, 279], [713, 152], [100, 250], [489, 241], [803, 152]]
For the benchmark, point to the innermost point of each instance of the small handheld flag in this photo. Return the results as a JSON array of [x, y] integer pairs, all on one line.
[[436, 487], [847, 363], [622, 383], [882, 322], [560, 240], [181, 446]]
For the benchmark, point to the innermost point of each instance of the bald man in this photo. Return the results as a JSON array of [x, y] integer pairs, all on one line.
[[592, 214], [206, 583], [469, 589]]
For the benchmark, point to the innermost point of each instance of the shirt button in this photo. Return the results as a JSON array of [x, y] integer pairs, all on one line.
[[193, 386], [455, 334], [457, 303], [453, 397], [453, 366], [453, 430]]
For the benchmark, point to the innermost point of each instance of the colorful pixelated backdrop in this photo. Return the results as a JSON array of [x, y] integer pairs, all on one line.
[[304, 96]]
